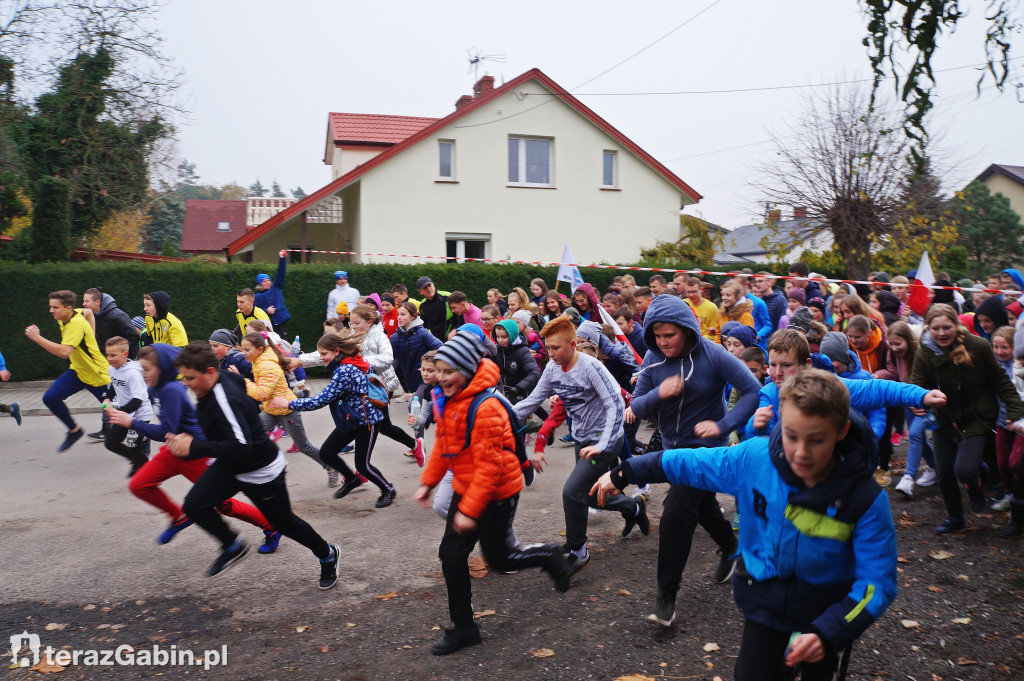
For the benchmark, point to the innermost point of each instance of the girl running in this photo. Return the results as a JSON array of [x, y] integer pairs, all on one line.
[[409, 343]]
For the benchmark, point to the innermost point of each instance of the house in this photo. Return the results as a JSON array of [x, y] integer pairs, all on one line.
[[211, 225], [774, 240], [1008, 181], [513, 172]]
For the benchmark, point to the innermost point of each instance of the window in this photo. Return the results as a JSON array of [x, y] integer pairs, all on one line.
[[529, 162], [446, 159], [295, 257], [461, 246], [223, 226], [609, 176]]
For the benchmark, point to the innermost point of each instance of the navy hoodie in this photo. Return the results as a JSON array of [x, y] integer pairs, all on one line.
[[170, 400], [705, 370]]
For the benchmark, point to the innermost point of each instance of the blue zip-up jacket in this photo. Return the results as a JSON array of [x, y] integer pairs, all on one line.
[[705, 371], [170, 400], [236, 359], [777, 306], [636, 339], [1017, 277], [275, 296], [867, 397], [408, 346], [816, 559], [348, 385], [762, 321]]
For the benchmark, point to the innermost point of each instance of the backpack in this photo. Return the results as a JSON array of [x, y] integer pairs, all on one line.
[[517, 429], [376, 393]]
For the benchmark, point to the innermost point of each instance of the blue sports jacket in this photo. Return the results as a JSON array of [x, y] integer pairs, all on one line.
[[816, 559], [274, 296]]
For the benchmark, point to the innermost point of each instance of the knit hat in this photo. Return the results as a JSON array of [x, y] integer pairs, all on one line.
[[965, 283], [341, 274], [463, 352], [375, 299], [260, 277], [522, 316], [818, 303], [728, 327], [510, 327], [139, 323], [423, 282], [473, 329], [387, 298], [590, 331], [836, 347], [801, 320], [574, 316], [744, 334], [798, 295], [342, 308], [882, 277], [224, 337]]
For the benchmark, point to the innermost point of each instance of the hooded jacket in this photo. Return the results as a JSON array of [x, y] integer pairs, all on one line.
[[164, 327], [348, 384], [762, 320], [274, 296], [1016, 275], [993, 309], [339, 293], [170, 401], [113, 321], [818, 559], [972, 392], [705, 370], [408, 346], [593, 314], [268, 382], [889, 305], [777, 307], [488, 470], [519, 371]]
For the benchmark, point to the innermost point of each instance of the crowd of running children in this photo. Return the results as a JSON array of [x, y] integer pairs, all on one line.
[[789, 398]]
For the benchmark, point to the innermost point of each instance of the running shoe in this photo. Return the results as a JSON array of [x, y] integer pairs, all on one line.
[[927, 478], [98, 436], [664, 610], [347, 487], [950, 525], [567, 439], [16, 412], [172, 531], [576, 563], [1002, 504], [329, 569], [897, 439], [276, 433], [417, 452], [906, 486], [293, 449], [72, 437], [332, 477], [882, 477], [270, 541], [457, 638], [231, 555], [386, 498], [726, 566]]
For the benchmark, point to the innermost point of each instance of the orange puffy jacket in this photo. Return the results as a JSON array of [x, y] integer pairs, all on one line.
[[488, 470]]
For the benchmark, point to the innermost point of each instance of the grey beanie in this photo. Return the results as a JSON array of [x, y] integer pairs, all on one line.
[[574, 316], [590, 331], [836, 347], [522, 316], [801, 319], [224, 337], [462, 352]]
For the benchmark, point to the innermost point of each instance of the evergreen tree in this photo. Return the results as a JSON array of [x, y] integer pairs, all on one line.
[[298, 193], [990, 230], [275, 190], [51, 221], [257, 189]]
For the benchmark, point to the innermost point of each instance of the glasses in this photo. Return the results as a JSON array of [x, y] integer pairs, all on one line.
[[487, 319]]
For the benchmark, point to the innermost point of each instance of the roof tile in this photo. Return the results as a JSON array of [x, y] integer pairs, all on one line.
[[199, 233], [375, 128]]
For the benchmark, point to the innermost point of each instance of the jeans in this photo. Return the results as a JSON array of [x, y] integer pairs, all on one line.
[[917, 444], [957, 462], [576, 498], [66, 385]]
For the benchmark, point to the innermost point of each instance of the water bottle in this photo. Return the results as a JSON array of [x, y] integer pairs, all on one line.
[[929, 421], [414, 407], [296, 346]]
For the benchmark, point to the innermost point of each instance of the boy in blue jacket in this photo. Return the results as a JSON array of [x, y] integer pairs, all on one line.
[[270, 296], [817, 545]]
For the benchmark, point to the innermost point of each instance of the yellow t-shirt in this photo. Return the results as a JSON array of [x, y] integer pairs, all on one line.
[[86, 359], [257, 313], [707, 315], [168, 330]]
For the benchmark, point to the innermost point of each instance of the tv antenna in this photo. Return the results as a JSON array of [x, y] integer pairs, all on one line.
[[476, 57]]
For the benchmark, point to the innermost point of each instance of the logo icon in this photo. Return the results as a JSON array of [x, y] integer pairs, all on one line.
[[19, 642]]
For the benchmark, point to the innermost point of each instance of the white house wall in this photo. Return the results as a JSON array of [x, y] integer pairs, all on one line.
[[404, 209], [345, 160], [999, 184]]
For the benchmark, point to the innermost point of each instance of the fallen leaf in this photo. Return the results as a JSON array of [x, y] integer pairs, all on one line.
[[406, 647], [324, 649], [45, 668], [964, 577], [483, 613], [711, 647], [624, 592], [591, 599], [350, 624], [936, 589], [436, 627], [940, 555], [89, 607], [663, 664], [964, 661], [477, 568], [962, 620], [909, 624], [901, 559], [299, 630], [544, 511], [388, 596], [542, 652], [936, 677], [561, 533], [635, 677], [717, 678], [52, 626]]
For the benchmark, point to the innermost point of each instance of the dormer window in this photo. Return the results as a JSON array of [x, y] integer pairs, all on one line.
[[223, 226]]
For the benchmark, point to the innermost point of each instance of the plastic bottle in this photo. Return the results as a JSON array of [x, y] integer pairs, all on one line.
[[414, 407], [296, 346]]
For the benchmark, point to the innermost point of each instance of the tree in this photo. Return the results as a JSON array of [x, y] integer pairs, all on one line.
[[990, 230], [922, 222], [698, 244], [165, 219], [898, 29], [298, 193], [257, 189], [276, 191], [50, 235], [122, 232], [843, 162]]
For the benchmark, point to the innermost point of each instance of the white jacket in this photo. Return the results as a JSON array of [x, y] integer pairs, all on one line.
[[378, 354], [338, 294]]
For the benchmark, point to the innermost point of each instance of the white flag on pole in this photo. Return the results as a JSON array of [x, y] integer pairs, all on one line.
[[568, 272]]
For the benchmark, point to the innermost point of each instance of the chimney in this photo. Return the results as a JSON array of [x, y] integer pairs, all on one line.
[[464, 100], [483, 86], [774, 215], [799, 212]]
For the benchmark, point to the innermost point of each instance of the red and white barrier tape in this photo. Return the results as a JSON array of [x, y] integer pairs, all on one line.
[[541, 263]]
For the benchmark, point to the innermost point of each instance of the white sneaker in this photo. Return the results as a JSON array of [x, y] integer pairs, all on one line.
[[927, 479], [906, 486], [1001, 505], [641, 491]]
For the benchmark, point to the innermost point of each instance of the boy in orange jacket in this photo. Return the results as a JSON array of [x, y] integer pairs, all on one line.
[[487, 481]]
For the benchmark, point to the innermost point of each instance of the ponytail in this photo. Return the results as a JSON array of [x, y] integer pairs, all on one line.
[[260, 340]]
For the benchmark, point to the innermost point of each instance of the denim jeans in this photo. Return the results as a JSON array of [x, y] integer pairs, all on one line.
[[917, 444], [66, 385]]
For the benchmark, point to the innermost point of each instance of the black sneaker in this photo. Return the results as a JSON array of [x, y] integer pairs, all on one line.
[[639, 519], [348, 486], [977, 498], [386, 498], [98, 436], [576, 563], [329, 569], [726, 566], [457, 638], [16, 412], [950, 525], [664, 610], [558, 568], [73, 436], [137, 463], [229, 557]]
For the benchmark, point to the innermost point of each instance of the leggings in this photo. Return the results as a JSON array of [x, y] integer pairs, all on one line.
[[763, 653], [145, 484], [388, 429], [365, 437], [957, 461]]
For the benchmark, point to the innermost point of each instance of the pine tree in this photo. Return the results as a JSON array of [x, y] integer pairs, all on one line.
[[275, 190], [51, 221], [257, 189]]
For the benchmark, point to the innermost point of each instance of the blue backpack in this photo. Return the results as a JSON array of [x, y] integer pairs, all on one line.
[[517, 429]]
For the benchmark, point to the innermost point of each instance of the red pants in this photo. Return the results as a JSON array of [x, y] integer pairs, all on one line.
[[547, 431], [1009, 451], [145, 484]]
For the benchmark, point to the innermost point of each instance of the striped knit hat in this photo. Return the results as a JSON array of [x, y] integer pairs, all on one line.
[[463, 352]]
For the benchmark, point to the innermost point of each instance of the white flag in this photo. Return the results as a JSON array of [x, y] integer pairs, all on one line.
[[568, 272]]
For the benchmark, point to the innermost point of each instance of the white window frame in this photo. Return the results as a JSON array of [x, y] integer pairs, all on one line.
[[460, 240], [521, 161], [614, 155], [451, 163], [223, 226]]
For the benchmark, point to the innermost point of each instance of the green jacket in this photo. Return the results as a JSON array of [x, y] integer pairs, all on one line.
[[972, 392]]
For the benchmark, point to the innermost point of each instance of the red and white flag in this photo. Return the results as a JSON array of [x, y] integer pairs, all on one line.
[[607, 319], [920, 296]]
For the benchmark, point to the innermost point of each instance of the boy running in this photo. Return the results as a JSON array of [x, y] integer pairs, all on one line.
[[133, 399]]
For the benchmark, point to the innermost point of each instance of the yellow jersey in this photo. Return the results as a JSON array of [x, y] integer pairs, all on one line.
[[86, 359]]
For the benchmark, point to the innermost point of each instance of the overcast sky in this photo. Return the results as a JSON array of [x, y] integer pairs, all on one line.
[[261, 77]]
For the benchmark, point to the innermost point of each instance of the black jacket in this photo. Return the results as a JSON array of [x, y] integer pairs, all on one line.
[[236, 441], [519, 371], [113, 321]]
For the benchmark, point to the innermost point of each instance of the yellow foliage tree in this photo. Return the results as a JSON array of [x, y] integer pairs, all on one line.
[[122, 232]]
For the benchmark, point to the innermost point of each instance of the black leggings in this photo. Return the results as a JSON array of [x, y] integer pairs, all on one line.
[[136, 449], [955, 463], [388, 429], [364, 437], [763, 653], [216, 485]]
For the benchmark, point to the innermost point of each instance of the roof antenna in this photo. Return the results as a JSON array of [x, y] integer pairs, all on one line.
[[475, 56]]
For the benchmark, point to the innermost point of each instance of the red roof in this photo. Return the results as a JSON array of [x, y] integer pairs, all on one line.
[[438, 125], [374, 128], [199, 234]]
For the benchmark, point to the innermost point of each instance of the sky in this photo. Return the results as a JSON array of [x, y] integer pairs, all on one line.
[[261, 76]]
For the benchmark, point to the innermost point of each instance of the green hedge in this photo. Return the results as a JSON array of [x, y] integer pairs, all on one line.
[[203, 294]]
